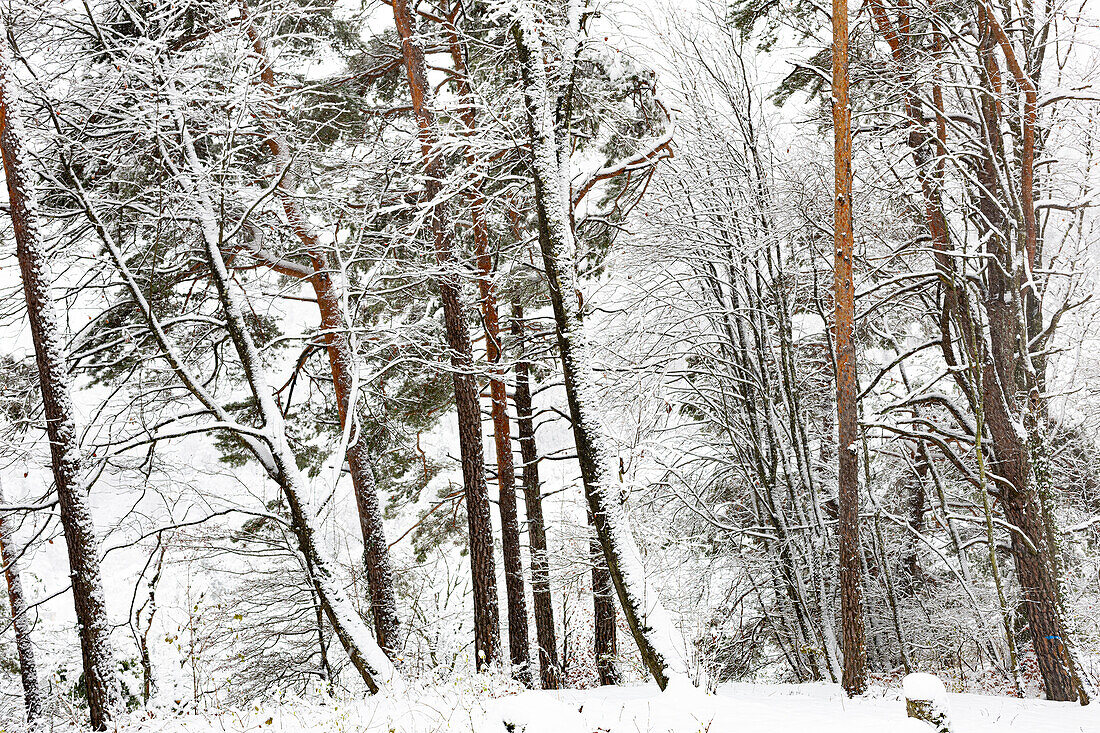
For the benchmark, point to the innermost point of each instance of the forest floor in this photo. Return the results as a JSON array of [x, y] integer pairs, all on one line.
[[632, 709]]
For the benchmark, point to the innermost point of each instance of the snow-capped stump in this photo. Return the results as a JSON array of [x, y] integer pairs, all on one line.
[[926, 699]]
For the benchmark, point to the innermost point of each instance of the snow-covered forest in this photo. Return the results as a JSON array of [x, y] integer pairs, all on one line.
[[550, 365]]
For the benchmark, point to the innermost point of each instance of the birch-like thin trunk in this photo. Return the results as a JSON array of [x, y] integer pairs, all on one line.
[[483, 565], [658, 640], [21, 619], [70, 481]]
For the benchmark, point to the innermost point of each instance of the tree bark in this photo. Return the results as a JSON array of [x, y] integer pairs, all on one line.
[[483, 565], [268, 445], [550, 673], [143, 626], [326, 283], [994, 357], [518, 641], [1031, 553], [658, 640], [21, 620], [70, 481], [912, 575], [854, 645], [603, 614]]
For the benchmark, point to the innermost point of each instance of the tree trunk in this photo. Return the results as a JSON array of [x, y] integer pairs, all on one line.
[[518, 642], [1031, 553], [143, 617], [376, 556], [603, 608], [366, 656], [483, 566], [324, 670], [550, 673], [1013, 369], [335, 324], [48, 336], [20, 619], [854, 645], [268, 446], [659, 643], [912, 576]]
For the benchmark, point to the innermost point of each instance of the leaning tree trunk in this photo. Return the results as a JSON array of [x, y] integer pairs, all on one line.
[[1031, 551], [270, 446], [1013, 367], [550, 673], [603, 616], [326, 283], [20, 619], [483, 566], [70, 480], [658, 640], [368, 658]]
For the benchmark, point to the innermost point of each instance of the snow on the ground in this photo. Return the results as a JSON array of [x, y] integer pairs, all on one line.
[[638, 709]]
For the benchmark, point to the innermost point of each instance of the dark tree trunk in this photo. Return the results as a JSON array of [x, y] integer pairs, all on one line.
[[649, 622], [483, 565], [373, 665], [518, 642], [22, 622], [603, 608], [325, 670], [1031, 554], [912, 575], [550, 672], [55, 382], [143, 625], [1010, 384], [851, 616], [999, 371], [376, 555]]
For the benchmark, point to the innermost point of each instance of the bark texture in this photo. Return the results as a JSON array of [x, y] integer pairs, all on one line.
[[483, 565], [659, 643], [21, 619], [1005, 379], [550, 673], [854, 677], [56, 384], [326, 281], [603, 616], [519, 650], [1009, 380], [270, 445]]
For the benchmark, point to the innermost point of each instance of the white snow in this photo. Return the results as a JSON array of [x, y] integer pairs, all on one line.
[[481, 705], [921, 686]]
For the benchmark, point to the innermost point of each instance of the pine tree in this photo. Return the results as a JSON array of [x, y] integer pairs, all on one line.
[[851, 607], [56, 384]]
